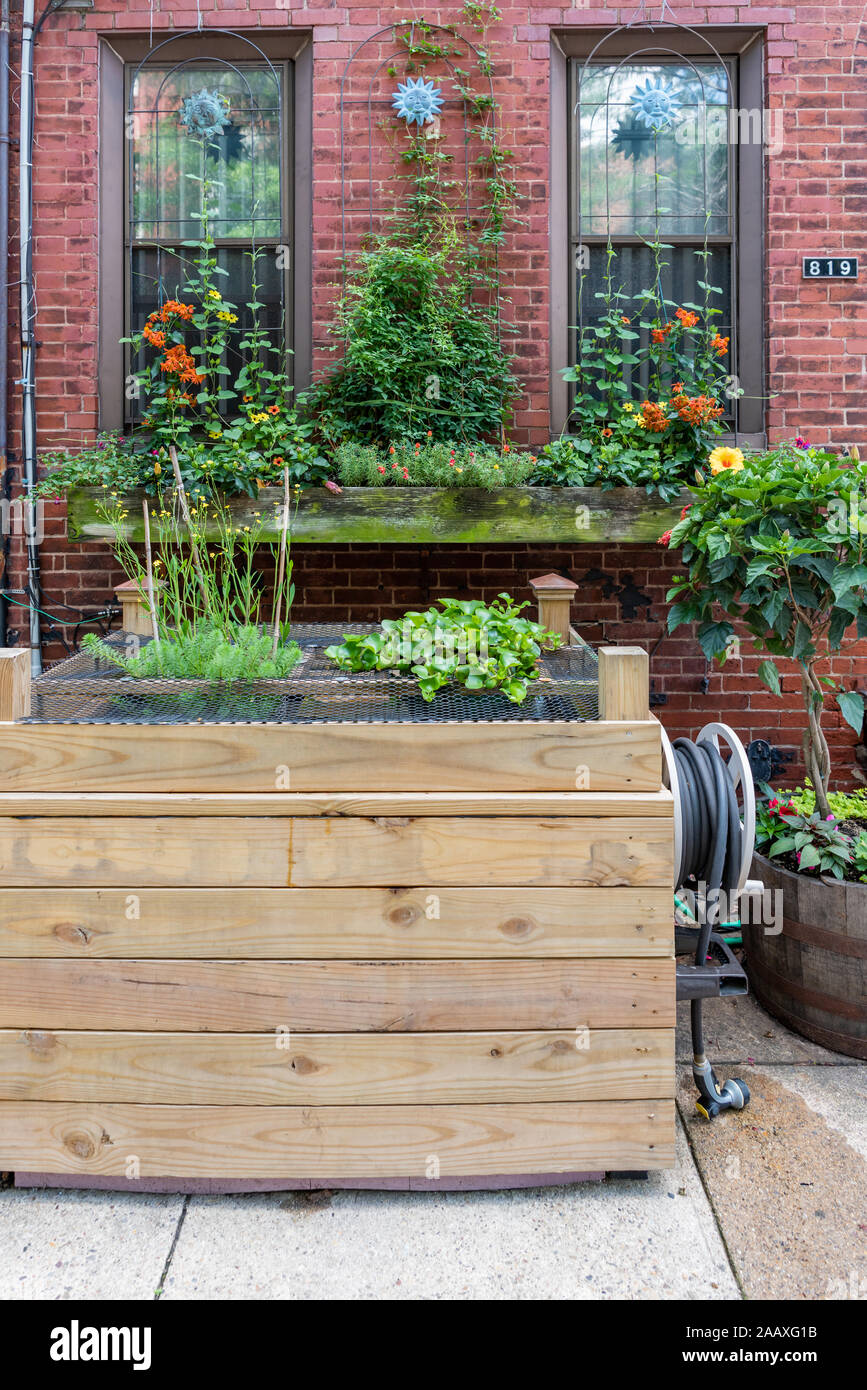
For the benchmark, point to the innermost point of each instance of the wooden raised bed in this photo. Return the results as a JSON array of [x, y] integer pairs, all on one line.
[[421, 515], [430, 956]]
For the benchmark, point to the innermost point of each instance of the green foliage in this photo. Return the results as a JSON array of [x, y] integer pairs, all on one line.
[[236, 434], [816, 842], [859, 856], [238, 653], [772, 544], [470, 643], [618, 462], [419, 353], [432, 464], [844, 805], [657, 440]]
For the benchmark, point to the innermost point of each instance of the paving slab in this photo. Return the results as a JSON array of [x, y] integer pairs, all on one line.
[[787, 1178], [69, 1245], [739, 1031], [624, 1238]]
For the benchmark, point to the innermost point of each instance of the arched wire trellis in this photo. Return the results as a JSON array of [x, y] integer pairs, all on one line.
[[659, 51], [256, 110], [404, 51]]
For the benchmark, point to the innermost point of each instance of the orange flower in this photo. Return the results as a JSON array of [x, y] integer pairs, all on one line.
[[506, 448], [273, 410], [174, 306], [278, 459], [391, 448], [676, 388], [624, 319], [156, 338], [659, 335], [654, 417], [720, 345], [687, 318], [606, 434], [697, 410]]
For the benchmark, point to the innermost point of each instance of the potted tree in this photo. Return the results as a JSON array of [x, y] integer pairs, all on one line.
[[776, 544]]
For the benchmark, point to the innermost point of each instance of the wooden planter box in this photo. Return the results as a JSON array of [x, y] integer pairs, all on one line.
[[813, 974], [430, 956], [421, 515]]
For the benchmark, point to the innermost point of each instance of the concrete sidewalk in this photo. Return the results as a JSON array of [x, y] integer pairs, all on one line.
[[769, 1203]]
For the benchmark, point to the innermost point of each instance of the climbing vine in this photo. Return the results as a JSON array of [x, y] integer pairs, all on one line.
[[420, 324]]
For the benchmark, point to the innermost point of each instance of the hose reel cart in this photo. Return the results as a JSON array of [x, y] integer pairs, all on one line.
[[714, 837]]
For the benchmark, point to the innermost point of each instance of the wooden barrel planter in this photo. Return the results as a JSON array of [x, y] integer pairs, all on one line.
[[349, 953], [813, 974]]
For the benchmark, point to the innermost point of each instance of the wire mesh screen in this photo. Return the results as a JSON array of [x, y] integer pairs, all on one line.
[[91, 690]]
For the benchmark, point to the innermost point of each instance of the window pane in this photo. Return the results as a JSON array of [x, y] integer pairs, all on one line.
[[653, 141], [633, 271], [242, 163], [160, 275]]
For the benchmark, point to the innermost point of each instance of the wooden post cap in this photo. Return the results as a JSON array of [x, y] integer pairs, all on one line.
[[554, 596], [553, 584], [135, 610], [14, 683]]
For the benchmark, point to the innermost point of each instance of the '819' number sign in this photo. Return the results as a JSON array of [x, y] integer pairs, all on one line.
[[830, 268]]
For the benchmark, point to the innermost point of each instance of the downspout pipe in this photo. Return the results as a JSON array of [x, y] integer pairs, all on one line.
[[4, 312], [28, 326]]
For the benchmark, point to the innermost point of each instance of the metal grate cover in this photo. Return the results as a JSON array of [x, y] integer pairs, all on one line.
[[84, 690]]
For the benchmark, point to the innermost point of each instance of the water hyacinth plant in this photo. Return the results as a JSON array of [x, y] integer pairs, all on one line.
[[469, 643]]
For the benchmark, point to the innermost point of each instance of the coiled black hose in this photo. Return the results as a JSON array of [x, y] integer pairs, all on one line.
[[711, 840]]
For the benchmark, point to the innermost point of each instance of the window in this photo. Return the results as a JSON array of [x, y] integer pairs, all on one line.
[[246, 170], [656, 139], [151, 182]]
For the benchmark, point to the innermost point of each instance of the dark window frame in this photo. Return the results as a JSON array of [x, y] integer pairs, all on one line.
[[741, 46], [117, 58]]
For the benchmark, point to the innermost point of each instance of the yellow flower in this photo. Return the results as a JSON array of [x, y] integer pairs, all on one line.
[[641, 422], [227, 317], [214, 294], [214, 434], [628, 407], [726, 459]]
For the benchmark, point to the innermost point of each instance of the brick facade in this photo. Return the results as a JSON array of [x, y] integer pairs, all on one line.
[[816, 59]]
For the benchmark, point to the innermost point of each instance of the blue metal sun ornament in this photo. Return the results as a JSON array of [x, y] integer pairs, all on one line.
[[205, 114], [655, 105], [417, 100]]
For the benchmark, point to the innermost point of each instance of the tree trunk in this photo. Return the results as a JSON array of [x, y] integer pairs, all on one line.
[[817, 756]]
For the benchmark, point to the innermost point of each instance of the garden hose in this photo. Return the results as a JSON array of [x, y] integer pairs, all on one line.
[[713, 850]]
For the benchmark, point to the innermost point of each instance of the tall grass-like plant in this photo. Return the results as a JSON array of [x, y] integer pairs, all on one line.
[[210, 602]]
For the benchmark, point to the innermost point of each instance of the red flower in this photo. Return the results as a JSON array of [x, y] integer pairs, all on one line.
[[664, 538]]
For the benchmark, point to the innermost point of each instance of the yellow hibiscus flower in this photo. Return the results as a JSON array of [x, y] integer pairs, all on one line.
[[726, 460]]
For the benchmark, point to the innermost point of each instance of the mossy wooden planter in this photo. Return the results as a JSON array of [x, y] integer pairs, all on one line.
[[423, 515], [813, 974], [431, 956]]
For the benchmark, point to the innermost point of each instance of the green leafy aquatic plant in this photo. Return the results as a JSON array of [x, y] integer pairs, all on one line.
[[480, 646]]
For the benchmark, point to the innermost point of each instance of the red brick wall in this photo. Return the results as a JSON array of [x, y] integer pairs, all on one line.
[[816, 57]]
